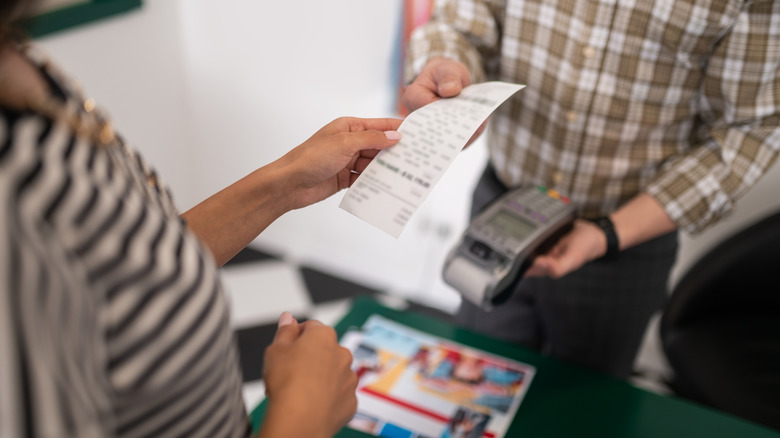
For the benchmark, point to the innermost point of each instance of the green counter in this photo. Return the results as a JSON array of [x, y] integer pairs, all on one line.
[[564, 400]]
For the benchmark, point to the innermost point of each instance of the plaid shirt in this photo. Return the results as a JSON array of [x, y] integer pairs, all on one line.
[[677, 98]]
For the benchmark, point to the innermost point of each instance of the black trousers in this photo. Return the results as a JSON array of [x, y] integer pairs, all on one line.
[[595, 316]]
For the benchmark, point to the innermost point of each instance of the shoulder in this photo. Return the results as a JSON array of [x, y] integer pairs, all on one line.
[[53, 325], [37, 154]]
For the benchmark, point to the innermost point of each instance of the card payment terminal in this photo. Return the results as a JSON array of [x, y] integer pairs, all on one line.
[[501, 242]]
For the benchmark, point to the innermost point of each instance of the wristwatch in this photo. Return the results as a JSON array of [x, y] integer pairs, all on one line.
[[608, 227]]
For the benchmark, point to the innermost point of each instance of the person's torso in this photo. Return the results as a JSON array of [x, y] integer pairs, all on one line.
[[120, 322], [612, 92]]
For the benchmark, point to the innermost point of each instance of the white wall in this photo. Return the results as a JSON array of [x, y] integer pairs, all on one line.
[[210, 90], [132, 65], [273, 74]]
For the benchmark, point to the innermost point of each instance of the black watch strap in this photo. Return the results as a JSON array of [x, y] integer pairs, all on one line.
[[613, 244]]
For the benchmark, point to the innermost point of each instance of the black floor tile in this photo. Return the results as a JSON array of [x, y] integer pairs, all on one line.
[[325, 287], [252, 343], [250, 255]]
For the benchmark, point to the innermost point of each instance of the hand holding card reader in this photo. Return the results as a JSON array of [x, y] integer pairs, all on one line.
[[502, 241]]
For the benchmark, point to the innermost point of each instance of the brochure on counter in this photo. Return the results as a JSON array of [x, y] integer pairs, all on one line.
[[412, 384]]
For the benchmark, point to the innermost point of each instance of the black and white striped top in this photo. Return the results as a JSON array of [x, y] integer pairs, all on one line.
[[112, 319]]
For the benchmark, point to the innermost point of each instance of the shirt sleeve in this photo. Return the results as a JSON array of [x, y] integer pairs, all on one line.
[[739, 108], [464, 30]]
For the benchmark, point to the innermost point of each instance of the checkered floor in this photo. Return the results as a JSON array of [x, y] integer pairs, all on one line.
[[262, 285]]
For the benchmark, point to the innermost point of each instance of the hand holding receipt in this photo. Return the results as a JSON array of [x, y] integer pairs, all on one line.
[[398, 180]]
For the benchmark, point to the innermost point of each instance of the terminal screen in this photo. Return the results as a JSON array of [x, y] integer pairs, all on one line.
[[512, 225]]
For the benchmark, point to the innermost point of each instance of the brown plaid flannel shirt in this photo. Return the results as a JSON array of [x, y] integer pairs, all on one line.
[[677, 98]]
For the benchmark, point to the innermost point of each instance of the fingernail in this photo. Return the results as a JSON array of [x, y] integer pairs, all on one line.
[[285, 319], [393, 135], [449, 84]]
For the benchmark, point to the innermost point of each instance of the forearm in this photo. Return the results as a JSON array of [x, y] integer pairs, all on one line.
[[702, 184], [433, 42], [309, 173], [468, 33], [230, 219], [640, 220]]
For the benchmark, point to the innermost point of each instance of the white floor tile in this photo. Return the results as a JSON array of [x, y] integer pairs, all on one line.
[[254, 393], [260, 292]]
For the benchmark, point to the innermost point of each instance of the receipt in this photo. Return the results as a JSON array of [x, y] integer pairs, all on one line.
[[397, 181]]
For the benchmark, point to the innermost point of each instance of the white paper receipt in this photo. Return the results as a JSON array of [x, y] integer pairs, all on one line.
[[398, 180]]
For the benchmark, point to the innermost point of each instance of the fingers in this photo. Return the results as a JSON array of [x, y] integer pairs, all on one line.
[[286, 319], [570, 253], [288, 329], [348, 396], [364, 160], [440, 78], [544, 266], [312, 322], [356, 134], [315, 331], [310, 380], [418, 95], [354, 142], [357, 124], [449, 76], [324, 334], [448, 83]]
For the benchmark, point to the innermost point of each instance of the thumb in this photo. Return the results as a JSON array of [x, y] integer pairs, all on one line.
[[286, 319], [450, 79], [448, 84], [288, 329]]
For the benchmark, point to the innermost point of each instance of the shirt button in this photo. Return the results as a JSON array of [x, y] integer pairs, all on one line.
[[572, 116], [557, 177], [588, 52]]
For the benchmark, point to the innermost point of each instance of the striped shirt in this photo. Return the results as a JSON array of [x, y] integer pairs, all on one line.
[[112, 319], [677, 98]]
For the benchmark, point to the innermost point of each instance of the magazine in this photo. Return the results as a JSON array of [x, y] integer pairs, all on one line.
[[412, 384]]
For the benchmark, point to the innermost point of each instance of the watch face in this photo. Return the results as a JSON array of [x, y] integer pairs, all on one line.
[[604, 223]]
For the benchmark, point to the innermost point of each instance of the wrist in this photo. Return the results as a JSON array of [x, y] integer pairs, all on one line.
[[607, 227], [287, 418], [274, 189]]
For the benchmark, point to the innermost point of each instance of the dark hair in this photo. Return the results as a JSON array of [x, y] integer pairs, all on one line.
[[11, 12]]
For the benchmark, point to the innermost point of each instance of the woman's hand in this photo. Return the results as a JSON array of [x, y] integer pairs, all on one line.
[[309, 381], [334, 156], [324, 164]]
